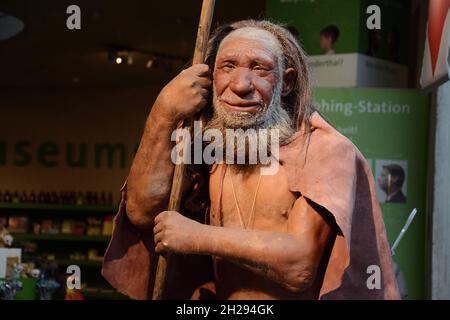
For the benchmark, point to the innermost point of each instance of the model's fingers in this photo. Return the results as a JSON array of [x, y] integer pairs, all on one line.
[[204, 82], [158, 228], [162, 246], [158, 238], [160, 216], [200, 69], [204, 93], [159, 248]]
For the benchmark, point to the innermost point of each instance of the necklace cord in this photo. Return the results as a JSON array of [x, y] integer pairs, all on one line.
[[252, 211]]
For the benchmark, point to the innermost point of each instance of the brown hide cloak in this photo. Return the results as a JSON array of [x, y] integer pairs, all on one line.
[[328, 170]]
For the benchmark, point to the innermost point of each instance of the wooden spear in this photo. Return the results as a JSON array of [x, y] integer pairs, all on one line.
[[204, 27]]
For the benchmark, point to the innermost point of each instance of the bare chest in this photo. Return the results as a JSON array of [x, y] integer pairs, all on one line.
[[250, 201]]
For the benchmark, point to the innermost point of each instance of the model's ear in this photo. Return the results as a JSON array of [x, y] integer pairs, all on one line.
[[289, 78], [394, 179]]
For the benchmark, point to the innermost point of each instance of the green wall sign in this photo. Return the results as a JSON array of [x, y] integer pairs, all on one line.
[[390, 127]]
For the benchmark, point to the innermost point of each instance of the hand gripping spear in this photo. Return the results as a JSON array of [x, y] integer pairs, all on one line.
[[204, 27]]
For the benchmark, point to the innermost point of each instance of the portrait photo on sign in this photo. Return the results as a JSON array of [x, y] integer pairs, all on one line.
[[391, 177]]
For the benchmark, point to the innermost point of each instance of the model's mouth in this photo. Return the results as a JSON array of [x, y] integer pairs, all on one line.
[[251, 109], [243, 105]]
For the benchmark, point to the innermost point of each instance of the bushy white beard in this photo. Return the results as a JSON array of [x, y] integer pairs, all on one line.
[[272, 117]]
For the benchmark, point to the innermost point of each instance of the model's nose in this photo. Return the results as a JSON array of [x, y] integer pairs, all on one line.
[[241, 82]]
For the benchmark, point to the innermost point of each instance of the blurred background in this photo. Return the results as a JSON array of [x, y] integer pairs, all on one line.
[[78, 79]]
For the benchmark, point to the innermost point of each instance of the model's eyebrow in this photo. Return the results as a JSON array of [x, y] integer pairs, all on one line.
[[263, 61], [230, 57], [260, 58]]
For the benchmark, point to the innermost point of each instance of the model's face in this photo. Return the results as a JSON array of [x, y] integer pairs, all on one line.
[[249, 82], [326, 43], [245, 75], [383, 180]]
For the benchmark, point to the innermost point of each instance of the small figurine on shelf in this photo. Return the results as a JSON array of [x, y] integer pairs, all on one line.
[[7, 197], [54, 198], [32, 197], [80, 198], [35, 273], [23, 197], [12, 285], [6, 240], [16, 197], [41, 197], [46, 287]]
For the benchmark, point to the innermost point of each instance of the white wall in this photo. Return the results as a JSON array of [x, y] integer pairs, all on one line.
[[440, 247]]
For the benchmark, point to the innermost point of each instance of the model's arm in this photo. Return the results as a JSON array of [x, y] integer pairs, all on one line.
[[150, 177], [290, 259]]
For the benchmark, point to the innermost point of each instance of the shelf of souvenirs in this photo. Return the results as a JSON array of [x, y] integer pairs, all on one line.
[[61, 200], [88, 258], [51, 267], [92, 228], [86, 229], [58, 237]]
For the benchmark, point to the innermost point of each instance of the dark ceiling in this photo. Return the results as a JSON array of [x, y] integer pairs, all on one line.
[[48, 55]]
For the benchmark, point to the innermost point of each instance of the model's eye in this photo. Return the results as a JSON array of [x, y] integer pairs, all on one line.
[[228, 66], [260, 69]]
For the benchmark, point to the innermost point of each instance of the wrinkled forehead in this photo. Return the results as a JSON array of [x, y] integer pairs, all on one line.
[[263, 37]]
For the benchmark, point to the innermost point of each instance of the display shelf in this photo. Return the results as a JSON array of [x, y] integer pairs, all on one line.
[[57, 207], [55, 247], [58, 237]]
